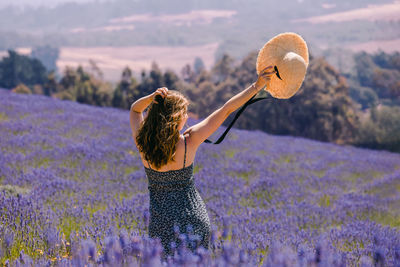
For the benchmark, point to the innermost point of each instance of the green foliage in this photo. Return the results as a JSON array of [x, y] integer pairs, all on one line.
[[377, 88], [381, 73], [321, 110], [387, 61], [51, 86], [124, 92], [222, 69], [364, 95], [78, 85], [129, 89], [386, 82], [187, 74], [150, 82], [16, 69], [381, 130], [365, 68]]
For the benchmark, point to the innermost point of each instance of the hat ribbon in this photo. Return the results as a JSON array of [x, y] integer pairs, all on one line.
[[249, 102], [277, 72]]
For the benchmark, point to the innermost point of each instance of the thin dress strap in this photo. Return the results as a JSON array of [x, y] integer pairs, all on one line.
[[148, 163], [184, 158]]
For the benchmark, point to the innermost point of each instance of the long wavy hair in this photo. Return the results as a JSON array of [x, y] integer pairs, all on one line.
[[158, 134]]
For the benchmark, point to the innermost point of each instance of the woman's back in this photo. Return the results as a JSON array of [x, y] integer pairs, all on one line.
[[180, 156]]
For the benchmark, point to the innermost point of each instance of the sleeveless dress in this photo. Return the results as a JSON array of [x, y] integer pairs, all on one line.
[[174, 201]]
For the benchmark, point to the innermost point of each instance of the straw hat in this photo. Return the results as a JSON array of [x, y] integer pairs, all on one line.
[[287, 52]]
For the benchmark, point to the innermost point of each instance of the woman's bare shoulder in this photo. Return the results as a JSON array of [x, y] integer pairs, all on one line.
[[191, 145]]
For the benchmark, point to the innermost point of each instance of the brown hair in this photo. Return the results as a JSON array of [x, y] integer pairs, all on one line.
[[158, 134]]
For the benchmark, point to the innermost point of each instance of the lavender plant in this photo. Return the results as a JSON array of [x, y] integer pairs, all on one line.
[[73, 192]]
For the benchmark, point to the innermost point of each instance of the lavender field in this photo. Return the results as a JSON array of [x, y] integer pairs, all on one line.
[[73, 192]]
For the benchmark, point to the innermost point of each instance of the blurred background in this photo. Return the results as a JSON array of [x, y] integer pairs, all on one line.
[[110, 53]]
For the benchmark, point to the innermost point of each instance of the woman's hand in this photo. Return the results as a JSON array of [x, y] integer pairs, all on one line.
[[264, 77], [163, 92]]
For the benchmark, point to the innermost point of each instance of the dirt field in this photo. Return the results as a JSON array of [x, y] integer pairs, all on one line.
[[112, 60]]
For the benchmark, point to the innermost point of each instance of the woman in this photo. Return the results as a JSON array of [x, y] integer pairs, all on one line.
[[168, 157]]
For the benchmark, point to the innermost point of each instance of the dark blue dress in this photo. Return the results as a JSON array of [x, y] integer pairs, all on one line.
[[174, 200]]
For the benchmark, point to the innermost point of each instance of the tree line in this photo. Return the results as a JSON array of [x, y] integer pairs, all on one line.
[[362, 109]]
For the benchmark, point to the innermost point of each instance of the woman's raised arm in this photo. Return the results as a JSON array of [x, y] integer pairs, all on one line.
[[199, 132], [136, 116]]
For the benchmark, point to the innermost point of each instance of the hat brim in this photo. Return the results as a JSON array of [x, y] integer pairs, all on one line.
[[273, 52]]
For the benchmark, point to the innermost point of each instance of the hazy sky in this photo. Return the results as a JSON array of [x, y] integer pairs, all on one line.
[[35, 3]]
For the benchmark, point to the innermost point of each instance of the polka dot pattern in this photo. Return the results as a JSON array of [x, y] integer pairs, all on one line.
[[175, 201]]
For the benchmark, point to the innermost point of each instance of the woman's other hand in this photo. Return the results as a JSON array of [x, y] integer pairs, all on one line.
[[264, 77], [163, 92]]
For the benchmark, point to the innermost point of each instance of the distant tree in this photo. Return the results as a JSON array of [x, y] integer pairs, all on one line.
[[198, 65], [380, 73], [47, 55], [149, 83], [364, 95], [365, 67], [118, 99], [69, 80], [395, 89], [386, 60], [172, 81], [187, 74], [342, 59], [90, 90], [203, 77], [385, 82], [121, 91], [79, 85], [222, 69], [82, 75], [156, 76], [51, 86], [103, 95], [204, 96], [225, 90], [16, 69], [84, 92], [395, 60], [323, 109], [246, 72], [381, 130], [96, 70], [125, 91], [126, 76]]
